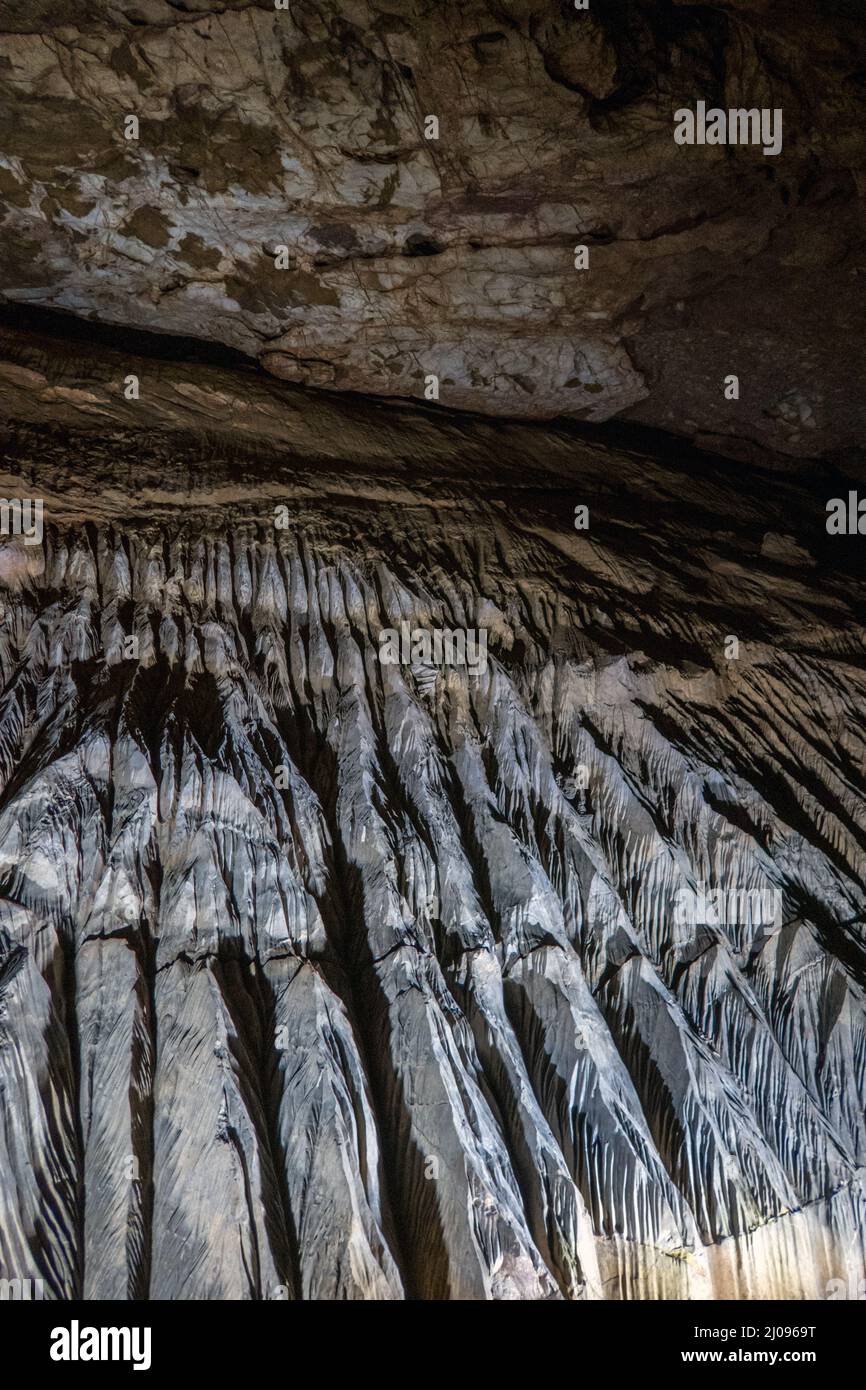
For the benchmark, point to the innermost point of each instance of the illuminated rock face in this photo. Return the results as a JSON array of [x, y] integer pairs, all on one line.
[[405, 257], [333, 964], [325, 977]]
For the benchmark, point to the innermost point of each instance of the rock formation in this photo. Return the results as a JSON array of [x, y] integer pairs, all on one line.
[[306, 128], [325, 976]]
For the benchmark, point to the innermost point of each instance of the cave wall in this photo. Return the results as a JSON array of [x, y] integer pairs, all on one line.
[[329, 977], [331, 966], [304, 128]]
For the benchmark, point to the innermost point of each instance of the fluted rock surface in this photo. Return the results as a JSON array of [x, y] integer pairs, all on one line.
[[329, 978]]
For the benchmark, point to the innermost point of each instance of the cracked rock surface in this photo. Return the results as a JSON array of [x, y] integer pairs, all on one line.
[[326, 978], [405, 257]]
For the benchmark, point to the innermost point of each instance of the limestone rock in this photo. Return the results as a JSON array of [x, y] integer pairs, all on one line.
[[329, 978], [405, 257]]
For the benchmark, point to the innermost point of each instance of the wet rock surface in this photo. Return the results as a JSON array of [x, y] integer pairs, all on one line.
[[326, 978], [334, 965]]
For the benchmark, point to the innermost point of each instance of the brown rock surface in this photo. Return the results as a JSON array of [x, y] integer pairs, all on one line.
[[329, 975], [407, 256]]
